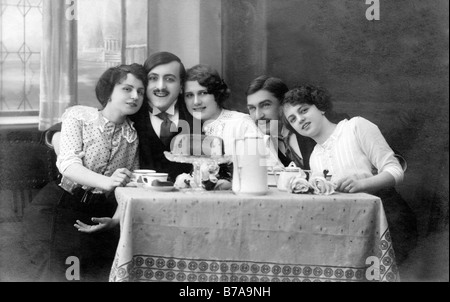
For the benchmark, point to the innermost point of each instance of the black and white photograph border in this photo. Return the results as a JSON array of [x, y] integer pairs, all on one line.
[[384, 60]]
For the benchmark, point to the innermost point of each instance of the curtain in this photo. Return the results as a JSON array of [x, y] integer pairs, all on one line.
[[58, 62]]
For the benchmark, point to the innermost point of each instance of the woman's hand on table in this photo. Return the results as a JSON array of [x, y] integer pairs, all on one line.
[[120, 178], [103, 224], [350, 184], [371, 185]]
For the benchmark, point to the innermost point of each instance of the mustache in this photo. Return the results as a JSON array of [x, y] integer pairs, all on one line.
[[157, 90], [263, 121]]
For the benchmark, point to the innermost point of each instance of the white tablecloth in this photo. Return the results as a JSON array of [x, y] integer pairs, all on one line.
[[219, 236]]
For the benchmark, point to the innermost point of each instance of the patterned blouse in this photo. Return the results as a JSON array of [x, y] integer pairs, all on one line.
[[89, 139], [356, 147]]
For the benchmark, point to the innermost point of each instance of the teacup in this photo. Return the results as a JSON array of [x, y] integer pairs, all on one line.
[[284, 178], [147, 179], [272, 178], [137, 173]]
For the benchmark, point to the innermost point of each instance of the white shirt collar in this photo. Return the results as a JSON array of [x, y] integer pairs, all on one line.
[[170, 110]]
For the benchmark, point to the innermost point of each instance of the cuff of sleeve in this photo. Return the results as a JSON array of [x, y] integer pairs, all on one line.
[[402, 162], [48, 139], [397, 174]]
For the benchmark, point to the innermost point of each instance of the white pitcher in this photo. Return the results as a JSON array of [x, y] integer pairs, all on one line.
[[249, 166]]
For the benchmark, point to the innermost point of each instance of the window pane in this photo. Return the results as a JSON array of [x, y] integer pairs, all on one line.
[[20, 44], [33, 33], [99, 44], [12, 28], [100, 41], [99, 47], [136, 31]]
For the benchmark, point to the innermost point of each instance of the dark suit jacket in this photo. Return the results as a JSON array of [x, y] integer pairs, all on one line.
[[151, 148]]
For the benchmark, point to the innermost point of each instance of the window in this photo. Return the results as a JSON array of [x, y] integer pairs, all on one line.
[[20, 36], [102, 26]]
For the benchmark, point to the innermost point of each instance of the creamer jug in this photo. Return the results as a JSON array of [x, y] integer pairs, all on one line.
[[250, 166]]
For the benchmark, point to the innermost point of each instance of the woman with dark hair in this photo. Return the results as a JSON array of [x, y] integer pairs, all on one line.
[[205, 94], [97, 151], [356, 156]]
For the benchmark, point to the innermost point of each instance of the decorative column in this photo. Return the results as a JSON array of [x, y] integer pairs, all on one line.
[[112, 32]]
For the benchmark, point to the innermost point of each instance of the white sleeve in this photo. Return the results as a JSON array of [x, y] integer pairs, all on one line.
[[377, 149]]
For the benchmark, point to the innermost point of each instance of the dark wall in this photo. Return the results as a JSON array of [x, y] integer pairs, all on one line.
[[394, 72], [244, 46]]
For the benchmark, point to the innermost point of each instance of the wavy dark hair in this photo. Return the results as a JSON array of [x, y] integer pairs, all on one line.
[[311, 95], [164, 57], [273, 85], [308, 94], [116, 75], [208, 77]]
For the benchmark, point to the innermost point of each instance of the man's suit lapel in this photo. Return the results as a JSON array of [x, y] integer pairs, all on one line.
[[306, 146], [145, 132], [184, 115], [284, 158]]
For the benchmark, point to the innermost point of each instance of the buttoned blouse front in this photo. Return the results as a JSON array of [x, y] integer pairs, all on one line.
[[89, 139], [356, 148]]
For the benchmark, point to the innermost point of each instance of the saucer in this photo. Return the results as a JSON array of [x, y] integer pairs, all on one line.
[[159, 189], [132, 184]]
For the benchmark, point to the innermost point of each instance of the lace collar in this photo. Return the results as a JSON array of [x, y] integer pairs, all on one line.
[[127, 127], [93, 116], [212, 125]]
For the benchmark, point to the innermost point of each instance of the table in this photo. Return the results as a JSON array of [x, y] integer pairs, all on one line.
[[219, 236]]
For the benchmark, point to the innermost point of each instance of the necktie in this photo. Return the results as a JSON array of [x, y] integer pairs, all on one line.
[[165, 134], [281, 146], [282, 156]]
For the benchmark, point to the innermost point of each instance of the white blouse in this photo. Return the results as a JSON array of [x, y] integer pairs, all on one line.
[[89, 139], [232, 125], [357, 148]]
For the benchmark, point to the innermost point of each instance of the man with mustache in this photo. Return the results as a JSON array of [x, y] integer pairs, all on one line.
[[164, 115], [160, 118], [264, 96]]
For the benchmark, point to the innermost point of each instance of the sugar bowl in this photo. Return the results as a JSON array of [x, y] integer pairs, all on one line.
[[285, 177]]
